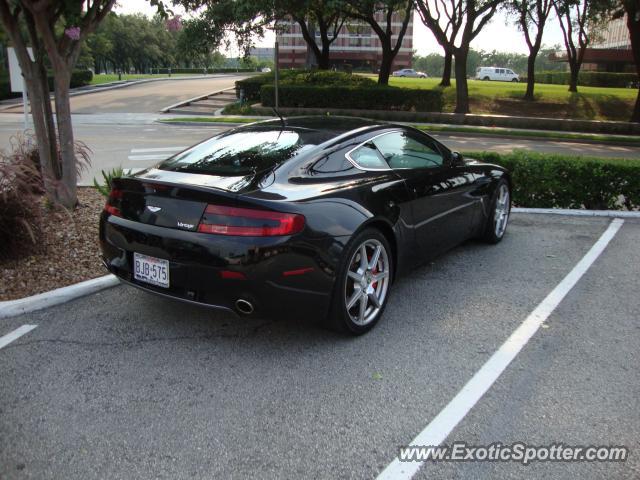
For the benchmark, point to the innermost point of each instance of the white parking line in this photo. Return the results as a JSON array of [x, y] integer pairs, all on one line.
[[16, 334], [442, 425]]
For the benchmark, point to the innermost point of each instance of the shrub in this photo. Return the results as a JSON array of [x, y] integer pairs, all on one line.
[[107, 177], [374, 97], [252, 85], [562, 181], [20, 188], [80, 78], [327, 77], [588, 79]]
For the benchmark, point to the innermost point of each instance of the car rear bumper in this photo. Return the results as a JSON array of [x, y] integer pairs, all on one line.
[[278, 276]]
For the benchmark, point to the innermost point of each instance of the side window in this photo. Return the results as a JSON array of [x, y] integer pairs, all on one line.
[[402, 151], [367, 156]]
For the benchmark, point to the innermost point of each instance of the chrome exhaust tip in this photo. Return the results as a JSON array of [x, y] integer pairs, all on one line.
[[244, 306]]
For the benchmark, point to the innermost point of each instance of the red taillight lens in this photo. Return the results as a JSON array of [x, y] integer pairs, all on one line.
[[113, 202], [248, 222]]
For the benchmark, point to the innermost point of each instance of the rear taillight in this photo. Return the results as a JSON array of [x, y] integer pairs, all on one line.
[[112, 206], [249, 222]]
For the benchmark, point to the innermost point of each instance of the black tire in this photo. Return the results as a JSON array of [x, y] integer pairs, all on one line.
[[491, 233], [486, 79], [515, 80], [339, 318]]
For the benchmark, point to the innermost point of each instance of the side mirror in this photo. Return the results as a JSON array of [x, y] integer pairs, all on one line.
[[457, 159]]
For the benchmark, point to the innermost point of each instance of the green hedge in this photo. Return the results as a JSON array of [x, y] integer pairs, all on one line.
[[252, 85], [562, 181], [588, 79], [374, 98], [79, 78]]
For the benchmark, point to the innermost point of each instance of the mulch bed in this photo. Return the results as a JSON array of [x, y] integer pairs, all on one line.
[[67, 251]]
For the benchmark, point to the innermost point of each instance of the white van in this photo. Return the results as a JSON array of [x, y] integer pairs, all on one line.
[[499, 74]]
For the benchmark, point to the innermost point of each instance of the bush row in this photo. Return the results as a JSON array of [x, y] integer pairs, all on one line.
[[251, 86], [79, 78], [562, 181], [588, 79], [374, 97]]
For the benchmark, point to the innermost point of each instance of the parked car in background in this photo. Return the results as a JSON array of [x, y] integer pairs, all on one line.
[[265, 70], [409, 72], [497, 74]]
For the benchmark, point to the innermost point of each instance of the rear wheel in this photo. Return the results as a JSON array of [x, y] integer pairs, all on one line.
[[363, 284], [496, 225]]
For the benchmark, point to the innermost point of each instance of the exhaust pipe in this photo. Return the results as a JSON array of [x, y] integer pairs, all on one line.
[[244, 306]]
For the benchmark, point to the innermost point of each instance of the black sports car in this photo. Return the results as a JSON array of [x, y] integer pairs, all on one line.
[[304, 217]]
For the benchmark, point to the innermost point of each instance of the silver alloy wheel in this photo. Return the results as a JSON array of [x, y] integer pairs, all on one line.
[[367, 282], [501, 215]]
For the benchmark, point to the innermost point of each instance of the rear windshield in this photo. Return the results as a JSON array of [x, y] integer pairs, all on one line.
[[240, 152]]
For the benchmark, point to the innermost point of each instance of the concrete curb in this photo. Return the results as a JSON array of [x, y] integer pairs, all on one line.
[[58, 296], [11, 308], [457, 133], [578, 213], [185, 103]]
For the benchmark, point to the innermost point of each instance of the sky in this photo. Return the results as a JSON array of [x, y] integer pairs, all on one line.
[[500, 34]]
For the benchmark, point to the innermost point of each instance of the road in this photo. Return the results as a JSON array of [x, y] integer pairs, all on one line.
[[146, 97], [137, 141], [120, 127], [122, 384]]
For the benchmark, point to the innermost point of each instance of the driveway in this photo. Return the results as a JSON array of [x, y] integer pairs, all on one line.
[[122, 384]]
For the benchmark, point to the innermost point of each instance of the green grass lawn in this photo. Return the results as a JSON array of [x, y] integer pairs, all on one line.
[[555, 101], [113, 77]]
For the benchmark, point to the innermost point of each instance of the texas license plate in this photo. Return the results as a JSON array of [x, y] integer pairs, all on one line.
[[151, 270]]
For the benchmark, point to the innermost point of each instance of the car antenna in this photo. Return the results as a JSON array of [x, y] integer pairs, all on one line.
[[284, 124]]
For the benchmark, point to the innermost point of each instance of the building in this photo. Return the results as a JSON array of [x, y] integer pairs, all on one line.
[[611, 51], [357, 45], [262, 54]]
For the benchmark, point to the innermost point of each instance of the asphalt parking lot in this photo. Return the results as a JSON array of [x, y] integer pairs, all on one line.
[[122, 384]]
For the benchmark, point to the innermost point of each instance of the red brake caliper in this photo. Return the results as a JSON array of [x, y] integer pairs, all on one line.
[[374, 271]]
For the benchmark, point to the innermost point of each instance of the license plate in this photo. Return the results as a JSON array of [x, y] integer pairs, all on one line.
[[151, 270]]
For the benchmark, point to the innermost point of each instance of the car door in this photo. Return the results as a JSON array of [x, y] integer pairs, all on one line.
[[442, 207]]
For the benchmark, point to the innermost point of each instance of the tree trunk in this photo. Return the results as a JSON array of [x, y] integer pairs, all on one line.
[[446, 73], [385, 66], [633, 24], [531, 74], [323, 58], [51, 136], [67, 190], [573, 76], [462, 90], [37, 97]]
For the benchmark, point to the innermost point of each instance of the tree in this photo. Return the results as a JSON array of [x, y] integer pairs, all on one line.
[[54, 29], [444, 19], [379, 15], [532, 17], [573, 23], [214, 20], [327, 16], [632, 10], [470, 18], [579, 21]]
